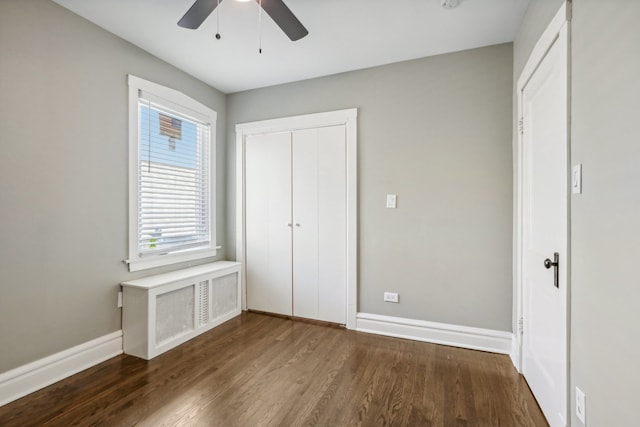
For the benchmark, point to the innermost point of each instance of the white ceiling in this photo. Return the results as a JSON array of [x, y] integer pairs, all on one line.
[[343, 35]]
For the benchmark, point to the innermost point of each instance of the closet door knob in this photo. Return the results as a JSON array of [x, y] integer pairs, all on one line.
[[288, 224], [297, 224], [555, 264]]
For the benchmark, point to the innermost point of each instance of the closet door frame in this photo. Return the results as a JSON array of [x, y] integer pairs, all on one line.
[[348, 118]]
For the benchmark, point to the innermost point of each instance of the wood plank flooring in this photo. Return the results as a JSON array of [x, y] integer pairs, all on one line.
[[258, 370]]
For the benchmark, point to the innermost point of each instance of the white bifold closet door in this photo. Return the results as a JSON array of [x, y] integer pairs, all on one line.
[[319, 232], [268, 222], [310, 166]]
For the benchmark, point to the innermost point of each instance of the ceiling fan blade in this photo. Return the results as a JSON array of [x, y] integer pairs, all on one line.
[[284, 18], [197, 13]]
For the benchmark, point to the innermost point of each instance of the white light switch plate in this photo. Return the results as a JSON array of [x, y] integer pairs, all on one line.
[[391, 201], [576, 179]]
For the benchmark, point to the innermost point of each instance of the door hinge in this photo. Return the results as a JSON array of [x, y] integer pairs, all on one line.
[[521, 125], [521, 325]]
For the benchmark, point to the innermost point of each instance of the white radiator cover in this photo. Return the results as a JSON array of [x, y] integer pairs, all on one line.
[[163, 311]]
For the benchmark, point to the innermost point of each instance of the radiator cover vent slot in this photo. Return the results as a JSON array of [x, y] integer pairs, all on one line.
[[204, 302]]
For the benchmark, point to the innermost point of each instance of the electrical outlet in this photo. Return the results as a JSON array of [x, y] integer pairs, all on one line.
[[391, 297], [120, 299], [581, 406]]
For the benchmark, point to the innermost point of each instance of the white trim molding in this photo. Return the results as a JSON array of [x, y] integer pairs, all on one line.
[[33, 376], [515, 353], [436, 333]]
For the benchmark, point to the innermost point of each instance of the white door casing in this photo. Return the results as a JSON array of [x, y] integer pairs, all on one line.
[[324, 122], [543, 195]]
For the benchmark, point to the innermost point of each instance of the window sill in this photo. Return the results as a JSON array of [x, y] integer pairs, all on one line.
[[169, 259]]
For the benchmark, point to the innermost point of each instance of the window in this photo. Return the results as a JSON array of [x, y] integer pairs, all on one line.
[[171, 170]]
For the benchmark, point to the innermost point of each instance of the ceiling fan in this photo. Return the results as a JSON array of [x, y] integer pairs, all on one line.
[[276, 9]]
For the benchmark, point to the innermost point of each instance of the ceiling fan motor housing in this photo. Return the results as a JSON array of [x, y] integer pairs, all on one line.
[[450, 4], [276, 9]]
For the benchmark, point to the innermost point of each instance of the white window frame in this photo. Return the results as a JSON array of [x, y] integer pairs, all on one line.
[[172, 97]]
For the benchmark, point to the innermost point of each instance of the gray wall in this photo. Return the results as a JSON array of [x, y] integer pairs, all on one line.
[[63, 179], [606, 218], [436, 132], [605, 223]]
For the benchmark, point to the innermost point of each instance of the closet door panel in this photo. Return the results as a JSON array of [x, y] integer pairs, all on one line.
[[305, 219], [332, 216], [319, 214], [268, 215]]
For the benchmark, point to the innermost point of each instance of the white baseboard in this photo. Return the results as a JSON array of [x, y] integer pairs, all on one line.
[[515, 353], [28, 378], [437, 333]]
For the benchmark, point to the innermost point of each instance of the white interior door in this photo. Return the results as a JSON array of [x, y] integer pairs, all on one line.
[[319, 217], [268, 222], [545, 232]]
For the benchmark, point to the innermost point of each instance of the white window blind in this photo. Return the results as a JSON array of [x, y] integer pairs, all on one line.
[[173, 178]]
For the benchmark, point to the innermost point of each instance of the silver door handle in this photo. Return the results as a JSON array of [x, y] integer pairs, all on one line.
[[297, 224]]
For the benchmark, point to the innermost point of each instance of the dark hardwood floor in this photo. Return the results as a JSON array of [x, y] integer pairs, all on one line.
[[260, 370]]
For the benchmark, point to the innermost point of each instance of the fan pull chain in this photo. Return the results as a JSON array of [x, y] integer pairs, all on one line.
[[218, 36], [260, 28]]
